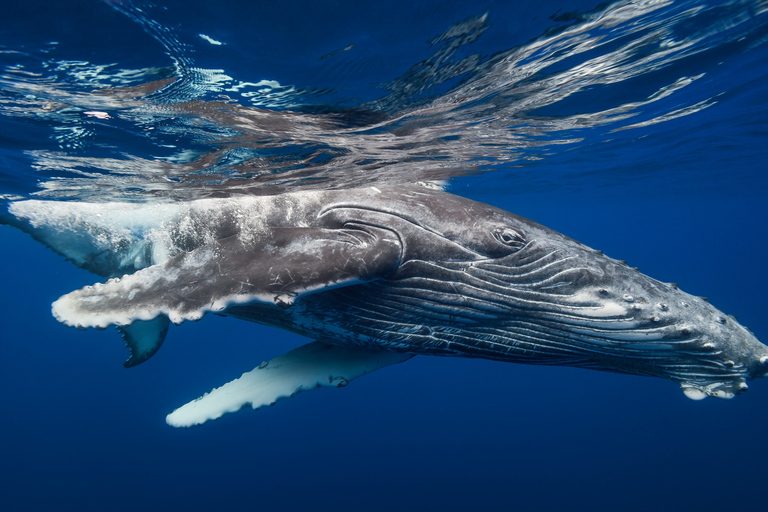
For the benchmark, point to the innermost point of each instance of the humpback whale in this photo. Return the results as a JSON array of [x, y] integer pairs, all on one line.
[[375, 276]]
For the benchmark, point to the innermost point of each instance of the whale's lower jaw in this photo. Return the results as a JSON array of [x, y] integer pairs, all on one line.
[[335, 317], [697, 347]]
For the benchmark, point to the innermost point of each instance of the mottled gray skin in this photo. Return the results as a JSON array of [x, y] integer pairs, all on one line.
[[417, 270], [477, 281]]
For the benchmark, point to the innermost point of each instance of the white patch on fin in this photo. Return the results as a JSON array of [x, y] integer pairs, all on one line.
[[694, 393], [302, 369]]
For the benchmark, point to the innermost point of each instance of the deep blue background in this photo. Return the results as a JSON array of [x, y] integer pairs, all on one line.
[[79, 432]]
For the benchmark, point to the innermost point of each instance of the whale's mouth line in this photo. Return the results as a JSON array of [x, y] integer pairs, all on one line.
[[521, 314], [547, 343]]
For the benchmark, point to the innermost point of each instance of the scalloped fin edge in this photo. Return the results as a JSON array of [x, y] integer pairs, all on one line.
[[143, 338], [305, 368]]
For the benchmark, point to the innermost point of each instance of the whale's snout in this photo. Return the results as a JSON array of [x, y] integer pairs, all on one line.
[[572, 305], [731, 356]]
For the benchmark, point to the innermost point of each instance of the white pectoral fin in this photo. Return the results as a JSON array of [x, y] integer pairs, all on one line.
[[303, 369]]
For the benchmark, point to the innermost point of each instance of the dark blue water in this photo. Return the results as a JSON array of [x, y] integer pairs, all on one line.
[[638, 129]]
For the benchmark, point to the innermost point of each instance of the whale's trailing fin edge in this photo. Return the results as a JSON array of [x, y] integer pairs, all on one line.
[[144, 338], [305, 368]]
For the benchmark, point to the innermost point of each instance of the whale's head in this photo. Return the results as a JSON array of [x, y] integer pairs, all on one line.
[[553, 300], [483, 282]]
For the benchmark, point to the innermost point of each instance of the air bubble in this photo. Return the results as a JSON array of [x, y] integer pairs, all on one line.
[[663, 307], [721, 319]]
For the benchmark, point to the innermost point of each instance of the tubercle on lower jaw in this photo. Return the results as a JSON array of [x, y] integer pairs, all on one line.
[[716, 389]]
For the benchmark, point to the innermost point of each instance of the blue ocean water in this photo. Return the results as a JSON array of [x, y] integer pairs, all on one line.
[[638, 128]]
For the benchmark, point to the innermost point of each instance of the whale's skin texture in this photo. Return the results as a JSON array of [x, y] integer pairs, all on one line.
[[407, 269]]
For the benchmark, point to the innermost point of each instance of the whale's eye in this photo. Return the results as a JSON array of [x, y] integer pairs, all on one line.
[[509, 237]]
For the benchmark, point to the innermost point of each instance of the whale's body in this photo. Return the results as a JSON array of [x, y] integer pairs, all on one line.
[[376, 276]]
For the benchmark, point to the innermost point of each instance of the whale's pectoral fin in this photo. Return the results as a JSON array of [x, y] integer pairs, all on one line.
[[144, 338], [293, 261], [303, 369]]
